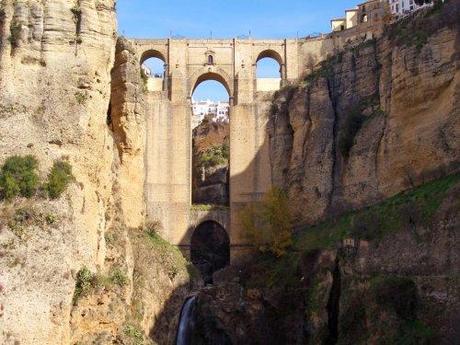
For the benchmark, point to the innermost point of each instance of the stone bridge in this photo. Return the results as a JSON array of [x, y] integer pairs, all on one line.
[[168, 161]]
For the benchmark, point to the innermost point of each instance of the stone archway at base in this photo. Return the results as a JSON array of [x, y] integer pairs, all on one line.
[[210, 249]]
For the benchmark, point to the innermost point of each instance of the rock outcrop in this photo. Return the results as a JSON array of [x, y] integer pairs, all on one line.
[[372, 121]]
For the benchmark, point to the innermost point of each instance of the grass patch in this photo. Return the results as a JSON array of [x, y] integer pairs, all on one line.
[[170, 256], [326, 69], [209, 207], [375, 222], [58, 179], [87, 282], [134, 333]]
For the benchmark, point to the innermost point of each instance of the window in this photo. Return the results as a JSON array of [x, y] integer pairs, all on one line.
[[210, 60]]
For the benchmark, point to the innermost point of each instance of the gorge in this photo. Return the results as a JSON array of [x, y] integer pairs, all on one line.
[[362, 138]]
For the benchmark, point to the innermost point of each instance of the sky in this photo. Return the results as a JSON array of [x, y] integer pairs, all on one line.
[[228, 19]]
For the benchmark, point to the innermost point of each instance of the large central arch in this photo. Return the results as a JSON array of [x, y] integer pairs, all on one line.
[[211, 73]]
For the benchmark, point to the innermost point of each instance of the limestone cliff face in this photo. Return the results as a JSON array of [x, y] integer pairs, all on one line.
[[372, 121], [55, 61]]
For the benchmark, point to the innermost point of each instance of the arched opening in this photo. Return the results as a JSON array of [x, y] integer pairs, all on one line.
[[153, 70], [210, 249], [210, 141], [210, 60], [364, 18], [269, 71]]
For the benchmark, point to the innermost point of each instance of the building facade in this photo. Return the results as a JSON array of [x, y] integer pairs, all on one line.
[[368, 13], [403, 7], [202, 108]]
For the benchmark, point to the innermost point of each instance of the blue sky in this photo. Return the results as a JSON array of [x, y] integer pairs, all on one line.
[[227, 19]]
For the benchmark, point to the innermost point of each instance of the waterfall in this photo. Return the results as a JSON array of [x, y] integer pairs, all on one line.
[[186, 322]]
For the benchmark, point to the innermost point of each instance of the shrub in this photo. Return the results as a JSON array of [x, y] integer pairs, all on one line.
[[268, 224], [19, 176], [84, 284], [216, 155], [87, 281], [153, 227], [81, 97], [398, 294], [58, 179], [118, 277]]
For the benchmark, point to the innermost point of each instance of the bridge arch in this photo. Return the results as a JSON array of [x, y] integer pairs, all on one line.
[[272, 54], [210, 248], [215, 74], [154, 70], [152, 53]]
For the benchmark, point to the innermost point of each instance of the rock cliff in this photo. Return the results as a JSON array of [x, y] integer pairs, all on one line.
[[78, 269], [373, 120]]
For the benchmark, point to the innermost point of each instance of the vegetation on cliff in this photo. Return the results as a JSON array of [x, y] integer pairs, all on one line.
[[267, 224], [19, 176], [58, 179]]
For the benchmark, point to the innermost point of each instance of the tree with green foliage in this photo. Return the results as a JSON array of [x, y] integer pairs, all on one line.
[[215, 155], [58, 179], [267, 224], [19, 176]]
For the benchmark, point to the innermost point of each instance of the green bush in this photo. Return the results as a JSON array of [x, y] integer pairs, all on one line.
[[118, 277], [398, 294], [86, 281], [58, 179], [216, 155], [19, 176]]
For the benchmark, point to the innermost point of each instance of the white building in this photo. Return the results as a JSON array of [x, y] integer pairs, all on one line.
[[202, 108], [403, 7]]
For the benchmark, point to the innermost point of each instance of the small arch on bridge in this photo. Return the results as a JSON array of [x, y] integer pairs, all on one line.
[[210, 248], [269, 71], [153, 70], [152, 53], [272, 54]]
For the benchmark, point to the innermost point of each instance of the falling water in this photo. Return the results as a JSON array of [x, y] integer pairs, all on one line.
[[186, 322]]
